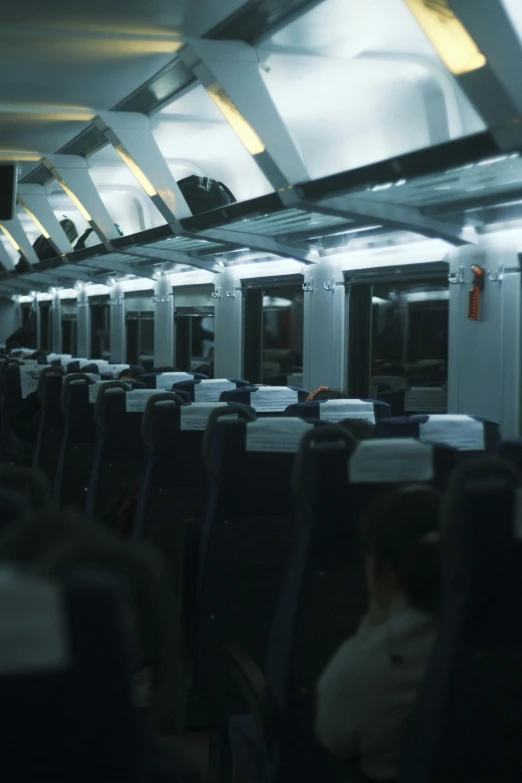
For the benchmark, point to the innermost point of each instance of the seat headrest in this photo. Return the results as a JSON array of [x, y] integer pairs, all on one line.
[[464, 433], [166, 380], [338, 410], [276, 434], [395, 460], [196, 416], [272, 398]]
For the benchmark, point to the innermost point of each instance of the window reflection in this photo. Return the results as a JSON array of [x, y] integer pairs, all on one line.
[[409, 345], [195, 342], [282, 347]]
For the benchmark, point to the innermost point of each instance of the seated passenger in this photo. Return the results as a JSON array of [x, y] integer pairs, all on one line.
[[130, 375], [368, 690], [326, 393]]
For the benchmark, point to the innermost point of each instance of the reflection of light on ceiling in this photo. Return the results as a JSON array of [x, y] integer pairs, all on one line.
[[277, 302], [359, 230], [454, 44], [19, 155], [14, 113], [376, 300], [235, 119], [497, 159]]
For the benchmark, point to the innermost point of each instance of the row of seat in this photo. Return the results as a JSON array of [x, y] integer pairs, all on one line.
[[256, 515]]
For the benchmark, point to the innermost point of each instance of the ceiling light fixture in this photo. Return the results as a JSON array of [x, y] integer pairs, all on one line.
[[454, 44], [11, 239], [34, 219], [133, 167]]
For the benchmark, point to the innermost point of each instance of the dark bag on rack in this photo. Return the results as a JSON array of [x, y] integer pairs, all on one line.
[[203, 194], [43, 248]]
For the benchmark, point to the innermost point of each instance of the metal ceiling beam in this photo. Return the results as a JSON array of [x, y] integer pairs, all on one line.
[[72, 172], [172, 257], [393, 216], [131, 136], [119, 267], [5, 259], [230, 73], [33, 198], [265, 244], [494, 86], [20, 238]]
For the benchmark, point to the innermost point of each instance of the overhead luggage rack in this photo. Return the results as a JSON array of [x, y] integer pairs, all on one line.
[[449, 191]]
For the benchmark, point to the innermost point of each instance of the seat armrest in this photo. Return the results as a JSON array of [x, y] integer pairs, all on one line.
[[261, 702]]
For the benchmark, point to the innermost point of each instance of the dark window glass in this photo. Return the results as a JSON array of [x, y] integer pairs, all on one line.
[[399, 339], [100, 331], [70, 335], [195, 342], [45, 326], [410, 334], [140, 338], [273, 333]]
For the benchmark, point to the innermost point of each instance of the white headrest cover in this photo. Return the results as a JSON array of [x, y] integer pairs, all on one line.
[[393, 460]]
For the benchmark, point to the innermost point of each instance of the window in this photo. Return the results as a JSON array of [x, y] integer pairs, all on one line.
[[70, 335], [273, 331], [399, 327], [195, 339], [45, 326], [140, 338], [69, 327], [100, 329]]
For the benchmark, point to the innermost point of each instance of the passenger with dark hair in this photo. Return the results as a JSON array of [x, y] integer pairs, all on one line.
[[326, 393], [367, 692], [130, 375]]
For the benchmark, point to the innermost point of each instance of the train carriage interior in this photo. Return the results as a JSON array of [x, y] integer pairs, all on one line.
[[261, 391]]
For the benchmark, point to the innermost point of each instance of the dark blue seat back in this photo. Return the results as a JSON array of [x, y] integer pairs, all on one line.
[[12, 402], [247, 396], [512, 451], [243, 554], [50, 435], [71, 714], [170, 508], [205, 390], [120, 452], [412, 427], [78, 443], [468, 718], [316, 410]]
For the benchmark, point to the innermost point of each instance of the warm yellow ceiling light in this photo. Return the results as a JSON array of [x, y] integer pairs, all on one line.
[[11, 238], [455, 46], [75, 200], [133, 167], [235, 119], [22, 156], [34, 219]]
